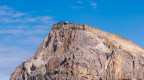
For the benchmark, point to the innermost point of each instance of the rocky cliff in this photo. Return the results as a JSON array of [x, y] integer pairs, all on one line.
[[81, 52]]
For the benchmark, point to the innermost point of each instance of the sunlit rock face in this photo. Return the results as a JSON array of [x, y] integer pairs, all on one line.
[[81, 52]]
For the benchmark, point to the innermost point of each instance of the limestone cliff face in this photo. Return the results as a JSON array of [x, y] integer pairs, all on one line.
[[80, 52]]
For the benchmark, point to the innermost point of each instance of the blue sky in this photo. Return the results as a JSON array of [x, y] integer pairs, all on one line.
[[25, 23]]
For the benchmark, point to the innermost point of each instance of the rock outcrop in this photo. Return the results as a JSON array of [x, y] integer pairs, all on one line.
[[81, 52]]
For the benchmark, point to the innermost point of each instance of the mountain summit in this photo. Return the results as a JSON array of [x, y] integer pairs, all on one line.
[[81, 52]]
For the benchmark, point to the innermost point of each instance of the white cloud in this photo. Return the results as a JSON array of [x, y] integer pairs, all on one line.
[[20, 35], [4, 76], [93, 5], [9, 15], [77, 7], [79, 1], [22, 30], [8, 61], [6, 11], [81, 4], [10, 58]]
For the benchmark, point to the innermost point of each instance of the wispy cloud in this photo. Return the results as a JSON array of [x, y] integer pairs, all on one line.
[[6, 11], [77, 7], [10, 58], [84, 4], [20, 35], [9, 15], [79, 1], [4, 76], [93, 5]]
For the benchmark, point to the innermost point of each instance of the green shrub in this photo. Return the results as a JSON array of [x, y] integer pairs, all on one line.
[[48, 73]]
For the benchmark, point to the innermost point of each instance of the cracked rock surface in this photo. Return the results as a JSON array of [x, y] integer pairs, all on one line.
[[81, 52]]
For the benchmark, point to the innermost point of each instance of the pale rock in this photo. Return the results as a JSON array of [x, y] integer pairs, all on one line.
[[81, 52]]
